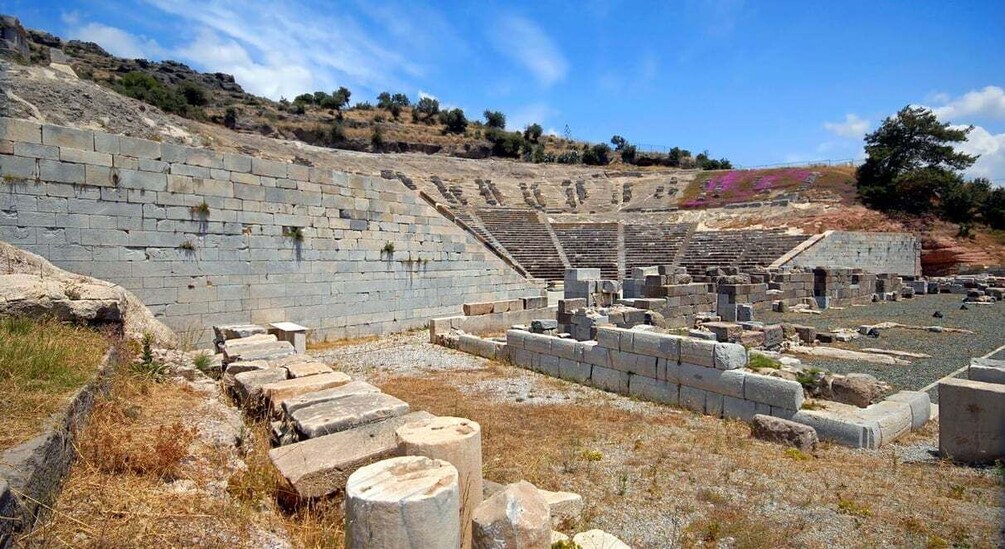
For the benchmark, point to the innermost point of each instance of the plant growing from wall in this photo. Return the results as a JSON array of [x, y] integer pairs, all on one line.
[[388, 248], [295, 233], [200, 210], [187, 246]]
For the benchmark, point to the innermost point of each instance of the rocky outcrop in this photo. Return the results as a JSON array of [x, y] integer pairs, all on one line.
[[30, 285], [943, 256]]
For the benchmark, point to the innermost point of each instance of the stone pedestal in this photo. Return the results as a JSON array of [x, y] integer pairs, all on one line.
[[457, 441], [294, 333], [409, 501]]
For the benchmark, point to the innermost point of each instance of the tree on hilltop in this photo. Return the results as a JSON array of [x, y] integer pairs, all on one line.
[[454, 120], [425, 109], [533, 132], [495, 119], [911, 162]]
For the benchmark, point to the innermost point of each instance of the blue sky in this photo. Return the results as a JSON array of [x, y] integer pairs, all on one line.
[[758, 82]]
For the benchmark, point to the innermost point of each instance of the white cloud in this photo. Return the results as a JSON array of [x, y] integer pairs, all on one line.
[[425, 94], [991, 147], [525, 43], [114, 40], [986, 103], [280, 49], [852, 127]]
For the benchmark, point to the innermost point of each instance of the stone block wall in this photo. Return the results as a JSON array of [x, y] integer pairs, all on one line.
[[704, 376], [208, 238], [898, 253]]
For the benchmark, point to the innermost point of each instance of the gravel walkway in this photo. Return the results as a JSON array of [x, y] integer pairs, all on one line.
[[950, 351]]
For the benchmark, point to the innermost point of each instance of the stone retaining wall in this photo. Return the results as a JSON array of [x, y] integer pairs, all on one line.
[[703, 376], [700, 375], [205, 238], [898, 253]]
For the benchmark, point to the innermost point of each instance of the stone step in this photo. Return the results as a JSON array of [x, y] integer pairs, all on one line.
[[247, 388], [237, 331], [305, 400], [321, 466], [276, 392], [345, 413], [268, 351], [306, 367]]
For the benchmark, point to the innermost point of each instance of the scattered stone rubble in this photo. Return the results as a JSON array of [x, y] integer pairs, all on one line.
[[410, 478], [634, 345]]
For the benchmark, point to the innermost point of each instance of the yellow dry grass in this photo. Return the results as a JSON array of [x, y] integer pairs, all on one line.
[[644, 462], [42, 364]]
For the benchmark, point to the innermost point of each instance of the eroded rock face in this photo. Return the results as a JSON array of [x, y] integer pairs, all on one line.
[[516, 517], [32, 286], [857, 389]]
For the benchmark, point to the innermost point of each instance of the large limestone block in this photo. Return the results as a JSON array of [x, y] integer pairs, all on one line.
[[248, 385], [664, 392], [730, 356], [409, 501], [986, 374], [723, 382], [564, 507], [320, 466], [457, 441], [304, 400], [920, 403], [281, 390], [345, 413], [236, 331], [307, 367], [894, 419], [598, 539], [517, 517], [971, 420], [842, 427], [773, 391], [698, 352]]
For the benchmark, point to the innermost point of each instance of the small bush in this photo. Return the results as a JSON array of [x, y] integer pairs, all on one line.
[[187, 246], [388, 248], [762, 361], [852, 508], [202, 361], [294, 233]]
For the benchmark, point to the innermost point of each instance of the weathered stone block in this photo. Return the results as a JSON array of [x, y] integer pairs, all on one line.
[[12, 129], [320, 466], [571, 370], [920, 403], [723, 382], [139, 148], [646, 388], [609, 379], [738, 408], [730, 356], [698, 352], [783, 431], [692, 398], [773, 391], [294, 403], [345, 413], [971, 420], [60, 136]]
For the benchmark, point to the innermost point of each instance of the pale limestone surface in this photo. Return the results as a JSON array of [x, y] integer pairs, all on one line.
[[454, 440], [409, 501], [320, 466], [516, 517]]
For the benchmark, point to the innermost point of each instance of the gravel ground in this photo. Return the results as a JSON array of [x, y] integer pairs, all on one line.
[[666, 472], [950, 351]]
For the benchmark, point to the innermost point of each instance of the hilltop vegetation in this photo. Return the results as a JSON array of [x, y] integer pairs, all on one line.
[[391, 122]]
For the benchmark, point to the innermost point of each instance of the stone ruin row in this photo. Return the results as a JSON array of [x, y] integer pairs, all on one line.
[[617, 337], [410, 479]]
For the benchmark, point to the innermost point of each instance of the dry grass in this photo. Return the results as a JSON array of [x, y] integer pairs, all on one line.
[[42, 364], [705, 480], [139, 446], [326, 345], [119, 492]]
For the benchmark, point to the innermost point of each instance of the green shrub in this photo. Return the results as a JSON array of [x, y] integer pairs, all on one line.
[[495, 119], [454, 120], [758, 360]]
